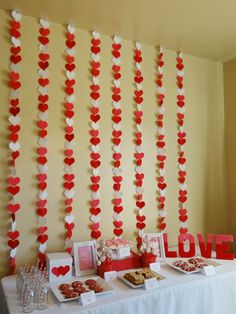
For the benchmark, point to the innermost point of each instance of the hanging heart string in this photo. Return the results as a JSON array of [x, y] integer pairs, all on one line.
[[182, 198], [95, 139], [69, 135], [14, 127], [116, 139], [139, 153], [161, 153], [42, 125]]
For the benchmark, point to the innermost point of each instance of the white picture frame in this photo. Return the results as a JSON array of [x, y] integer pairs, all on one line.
[[157, 238], [85, 258]]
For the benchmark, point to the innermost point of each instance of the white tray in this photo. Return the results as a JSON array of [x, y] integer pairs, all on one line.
[[122, 278], [102, 283]]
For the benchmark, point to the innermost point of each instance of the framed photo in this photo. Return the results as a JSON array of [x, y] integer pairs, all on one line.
[[85, 258], [156, 243]]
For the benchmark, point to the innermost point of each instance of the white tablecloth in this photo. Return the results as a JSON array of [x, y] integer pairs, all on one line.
[[178, 294]]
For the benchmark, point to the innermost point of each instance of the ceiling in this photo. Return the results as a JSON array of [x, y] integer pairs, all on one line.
[[204, 28]]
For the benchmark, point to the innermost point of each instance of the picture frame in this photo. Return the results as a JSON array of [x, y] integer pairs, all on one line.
[[85, 258], [157, 240]]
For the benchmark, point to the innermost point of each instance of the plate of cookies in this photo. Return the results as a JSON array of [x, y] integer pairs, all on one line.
[[71, 290], [136, 278], [191, 265]]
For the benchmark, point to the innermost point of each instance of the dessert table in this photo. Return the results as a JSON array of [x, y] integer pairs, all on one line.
[[178, 294]]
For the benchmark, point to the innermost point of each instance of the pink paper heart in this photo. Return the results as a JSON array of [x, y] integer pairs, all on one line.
[[42, 203], [69, 201], [117, 201], [95, 226], [95, 203], [69, 152]]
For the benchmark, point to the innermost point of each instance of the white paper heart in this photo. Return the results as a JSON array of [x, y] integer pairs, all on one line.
[[14, 146], [42, 90], [13, 252], [69, 193], [116, 105], [116, 61], [161, 131], [162, 192], [43, 73], [70, 98], [182, 167], [139, 107], [117, 171], [44, 23], [43, 195], [16, 42], [116, 126], [42, 168], [139, 190], [42, 141], [69, 121], [116, 83], [117, 194], [95, 172], [181, 129], [43, 115], [69, 242], [181, 110], [95, 125], [183, 224], [95, 195], [139, 169], [69, 145], [42, 221], [138, 66], [117, 39], [42, 247], [162, 171], [181, 147], [180, 91], [68, 169], [95, 57], [95, 218], [138, 45], [183, 186], [95, 148], [160, 49], [16, 15], [180, 73], [161, 151], [95, 34], [70, 75], [116, 148], [180, 54], [141, 233], [71, 29], [15, 68], [13, 226], [71, 51], [43, 48], [13, 172], [161, 90], [96, 80], [160, 70], [139, 86], [161, 109], [95, 103], [14, 120], [118, 217], [69, 218], [139, 148], [162, 213]]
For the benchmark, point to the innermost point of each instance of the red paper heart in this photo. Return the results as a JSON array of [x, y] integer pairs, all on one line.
[[118, 232], [94, 133], [116, 186], [116, 68], [116, 112], [116, 97], [95, 72], [116, 119], [116, 133], [117, 179], [69, 152], [69, 137], [69, 226], [15, 84], [95, 163], [94, 96], [95, 210], [95, 226], [14, 102], [117, 201], [69, 209], [69, 106], [117, 156], [69, 129], [43, 82], [95, 203], [139, 176], [43, 133], [69, 201], [70, 36], [13, 234], [42, 212], [69, 185], [95, 65], [14, 76], [118, 209], [141, 218], [13, 243], [13, 190], [95, 88], [182, 199], [14, 111], [69, 176], [70, 59], [180, 66], [94, 187], [183, 218], [44, 31], [95, 49], [43, 65], [162, 186], [61, 270], [13, 208], [181, 141], [15, 59], [183, 230], [95, 156], [43, 107], [42, 177], [42, 238], [116, 46], [43, 229], [69, 161], [95, 118], [13, 180], [116, 141], [14, 128], [42, 160], [95, 41], [41, 203], [138, 59], [70, 67], [95, 179], [116, 53], [162, 226], [183, 211], [69, 113], [70, 43], [140, 204], [95, 234], [140, 225]]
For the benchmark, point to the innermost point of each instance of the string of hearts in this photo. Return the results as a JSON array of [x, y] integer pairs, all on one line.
[[42, 126], [139, 153], [95, 156], [181, 140], [116, 139], [69, 135], [13, 180], [161, 154]]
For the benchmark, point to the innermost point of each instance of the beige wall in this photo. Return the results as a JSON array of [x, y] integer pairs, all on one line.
[[204, 149], [230, 135]]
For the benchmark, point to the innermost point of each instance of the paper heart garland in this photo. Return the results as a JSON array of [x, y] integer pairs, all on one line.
[[60, 271], [94, 133], [181, 140], [116, 135], [14, 145], [42, 124]]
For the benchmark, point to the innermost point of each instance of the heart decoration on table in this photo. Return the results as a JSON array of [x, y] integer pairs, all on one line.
[[61, 270], [181, 141], [139, 154], [69, 159], [14, 145], [95, 117], [160, 143], [116, 135], [42, 125]]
